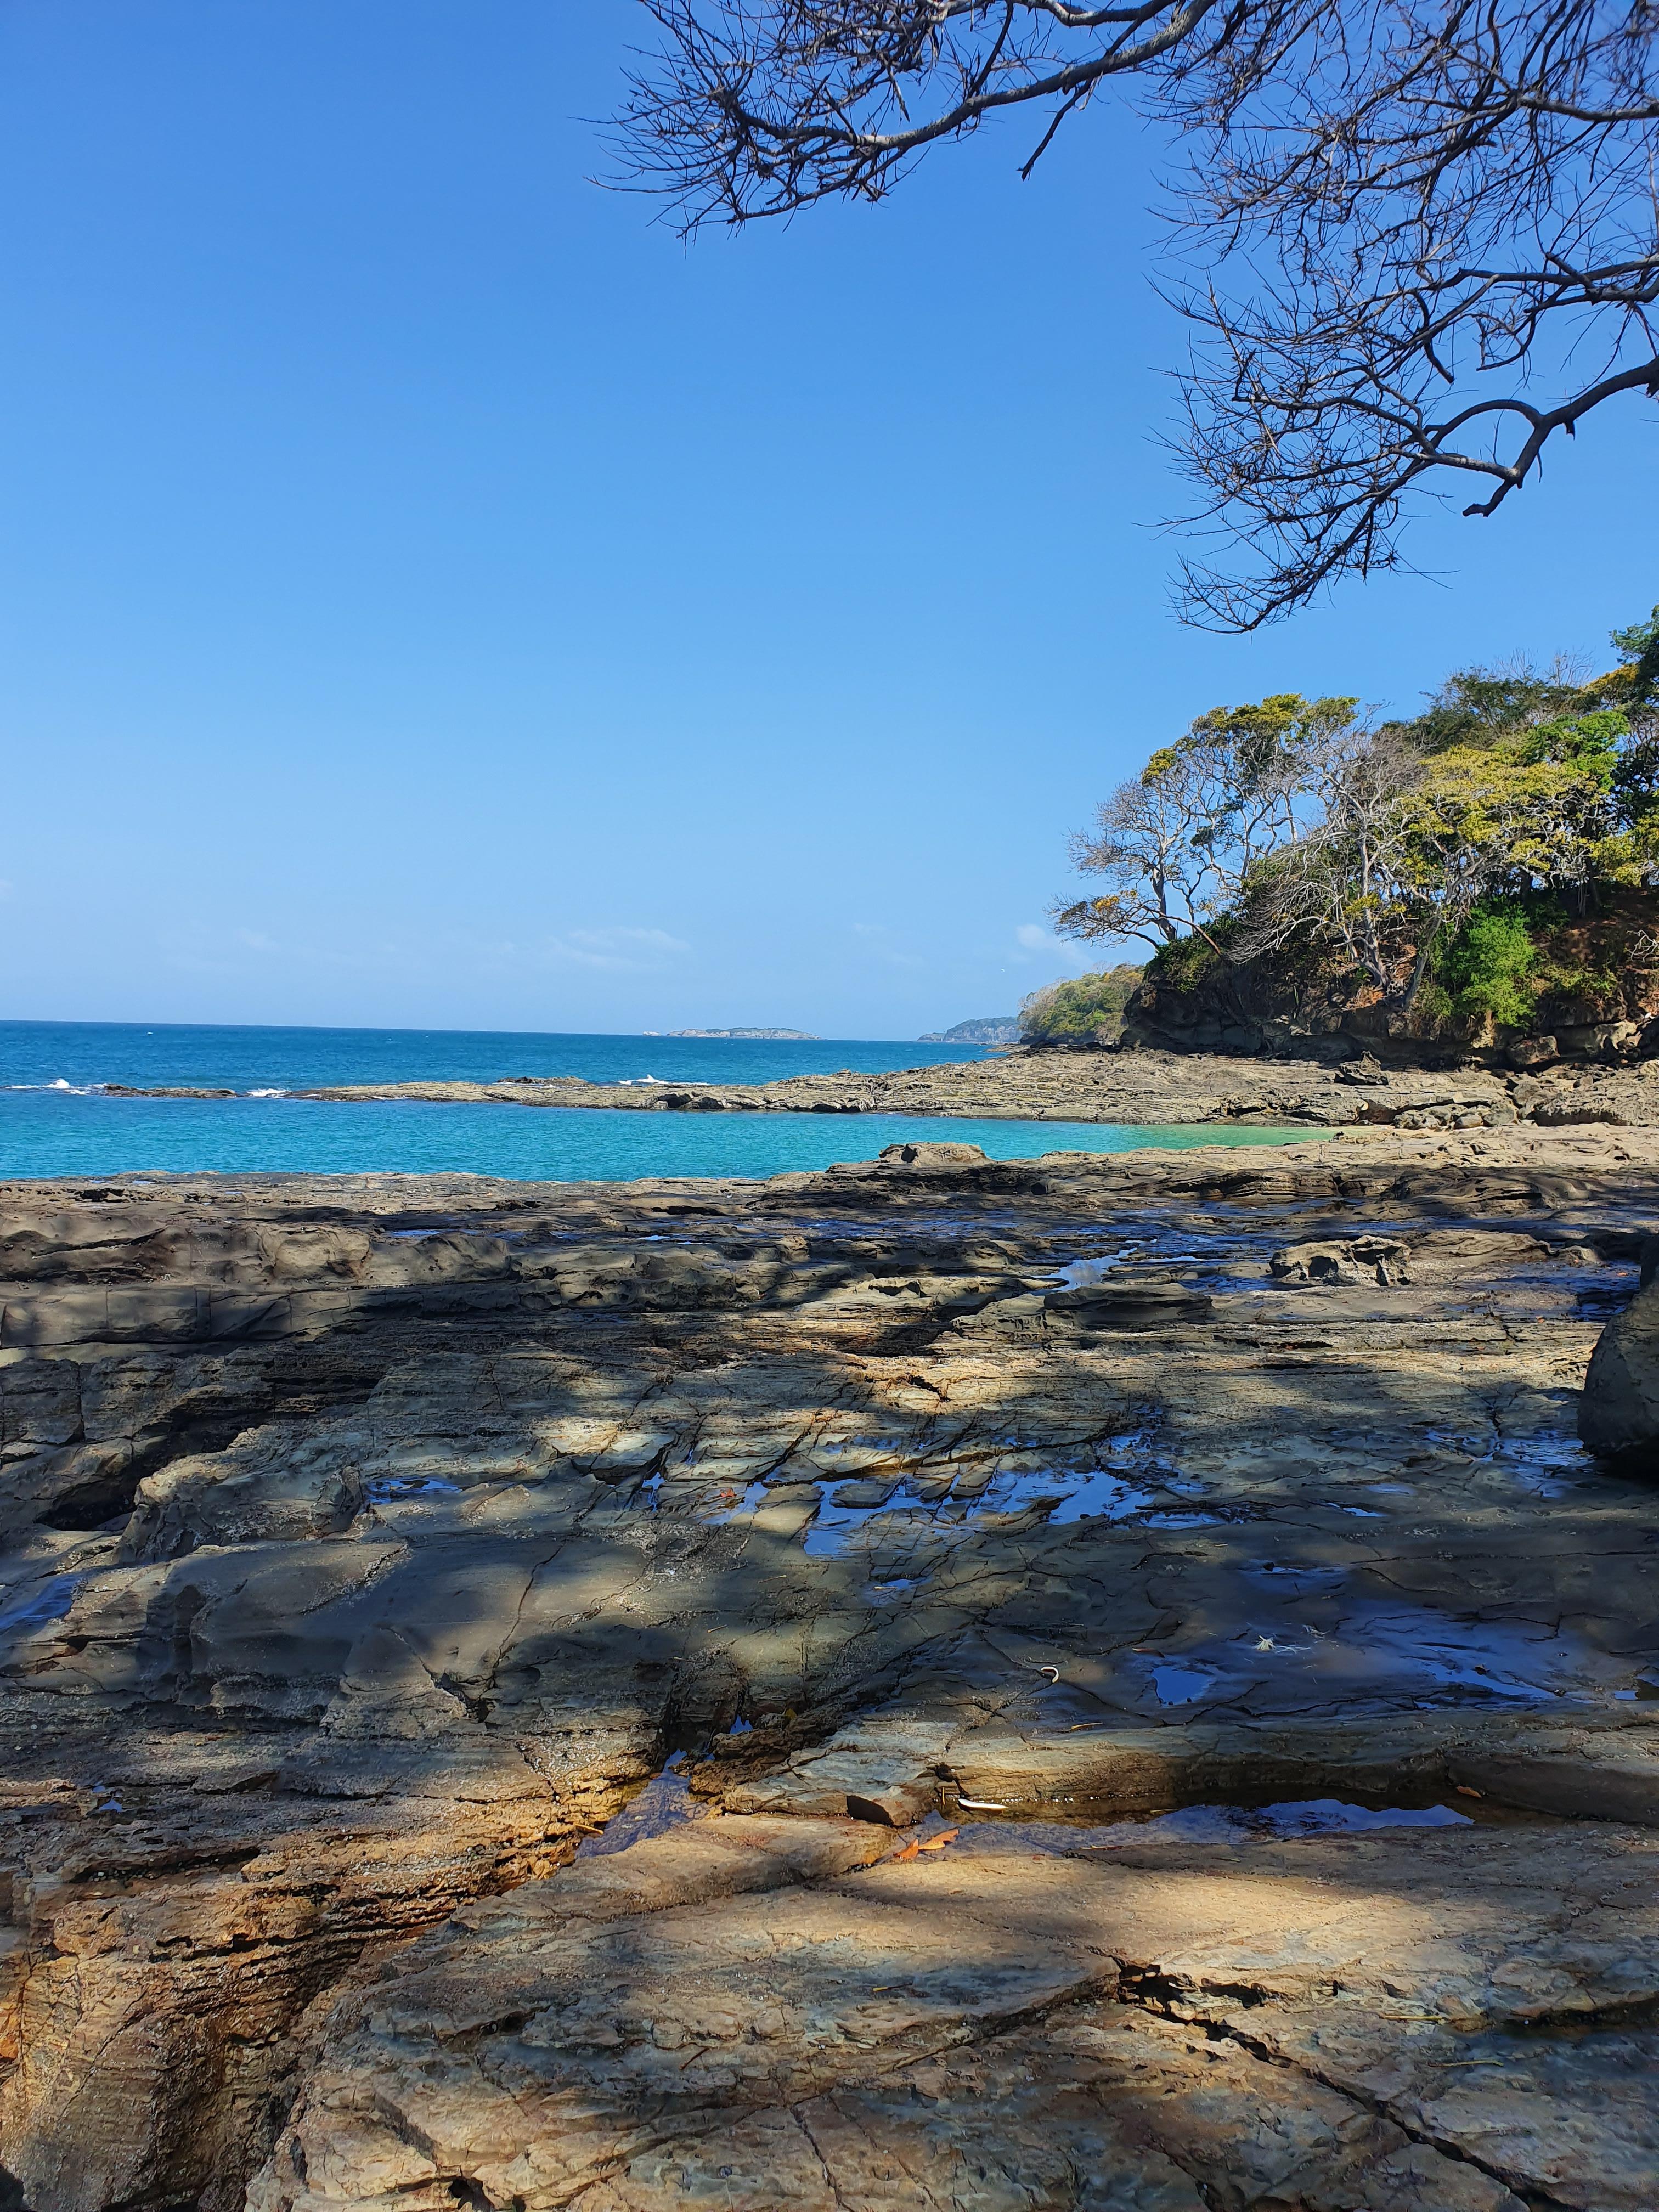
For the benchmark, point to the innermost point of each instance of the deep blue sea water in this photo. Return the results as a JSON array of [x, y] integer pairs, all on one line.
[[299, 1059], [54, 1122]]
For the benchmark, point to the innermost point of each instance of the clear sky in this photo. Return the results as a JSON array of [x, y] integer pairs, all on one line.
[[434, 596]]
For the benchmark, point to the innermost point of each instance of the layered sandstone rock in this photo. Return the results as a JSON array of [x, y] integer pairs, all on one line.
[[1149, 1087], [369, 1542]]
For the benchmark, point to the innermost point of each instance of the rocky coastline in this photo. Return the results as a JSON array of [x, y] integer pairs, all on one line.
[[1147, 1087], [706, 1693]]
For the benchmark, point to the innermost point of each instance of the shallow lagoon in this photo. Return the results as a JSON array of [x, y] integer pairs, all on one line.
[[48, 1133]]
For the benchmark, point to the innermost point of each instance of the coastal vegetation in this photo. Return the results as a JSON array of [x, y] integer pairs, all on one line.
[[1484, 869], [1080, 1010]]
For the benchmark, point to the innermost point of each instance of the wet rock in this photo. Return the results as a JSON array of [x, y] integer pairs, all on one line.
[[1128, 1303]]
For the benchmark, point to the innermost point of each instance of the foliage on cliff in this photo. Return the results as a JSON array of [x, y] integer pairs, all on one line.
[[1083, 1009], [1458, 872]]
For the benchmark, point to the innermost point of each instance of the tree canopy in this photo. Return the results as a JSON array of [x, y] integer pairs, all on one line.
[[1417, 239], [1390, 847], [1079, 1009]]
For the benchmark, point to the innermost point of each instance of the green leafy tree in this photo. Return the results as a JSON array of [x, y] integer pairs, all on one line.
[[1486, 968], [1640, 643], [1080, 1008]]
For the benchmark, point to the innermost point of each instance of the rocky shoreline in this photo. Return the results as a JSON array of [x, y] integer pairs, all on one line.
[[636, 1695], [1143, 1086]]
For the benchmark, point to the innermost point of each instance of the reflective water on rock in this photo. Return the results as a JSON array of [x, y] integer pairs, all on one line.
[[399, 1490], [1234, 1825], [1541, 1464], [1373, 1653], [1114, 1491], [664, 1803], [1181, 1685], [40, 1603]]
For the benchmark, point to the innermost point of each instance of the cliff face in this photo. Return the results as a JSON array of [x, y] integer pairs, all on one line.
[[1591, 992]]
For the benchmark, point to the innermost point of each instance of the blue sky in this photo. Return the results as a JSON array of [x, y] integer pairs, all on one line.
[[433, 595]]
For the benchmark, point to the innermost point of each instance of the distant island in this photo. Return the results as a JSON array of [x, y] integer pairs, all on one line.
[[987, 1028], [807, 1035]]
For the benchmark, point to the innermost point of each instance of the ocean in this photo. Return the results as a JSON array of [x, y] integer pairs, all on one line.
[[55, 1119]]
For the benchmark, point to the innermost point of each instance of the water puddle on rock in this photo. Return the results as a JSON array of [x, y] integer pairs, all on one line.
[[1539, 1465], [664, 1803], [1544, 1466], [408, 1489], [40, 1602], [1218, 1261], [1079, 1493], [1387, 1655], [1233, 1825], [1115, 1479], [1175, 1684]]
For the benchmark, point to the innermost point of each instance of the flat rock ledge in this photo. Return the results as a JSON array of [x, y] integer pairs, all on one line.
[[1088, 1683], [1158, 1089]]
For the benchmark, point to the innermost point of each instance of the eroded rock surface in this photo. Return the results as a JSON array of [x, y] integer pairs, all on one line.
[[1316, 2023], [370, 1540], [1147, 1086]]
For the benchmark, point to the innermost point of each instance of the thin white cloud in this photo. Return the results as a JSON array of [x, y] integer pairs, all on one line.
[[1036, 942], [879, 942], [615, 950], [633, 942]]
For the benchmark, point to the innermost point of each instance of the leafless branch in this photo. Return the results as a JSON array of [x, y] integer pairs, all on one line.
[[1421, 237]]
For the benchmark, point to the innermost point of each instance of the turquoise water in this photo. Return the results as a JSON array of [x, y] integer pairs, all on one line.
[[53, 1122], [47, 1134]]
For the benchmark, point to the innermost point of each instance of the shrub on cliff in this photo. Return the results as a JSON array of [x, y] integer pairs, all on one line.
[[1488, 966], [1083, 1009]]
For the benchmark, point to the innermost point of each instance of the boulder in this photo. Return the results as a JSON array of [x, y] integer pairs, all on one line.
[[1336, 1262], [1618, 1412], [1533, 1052]]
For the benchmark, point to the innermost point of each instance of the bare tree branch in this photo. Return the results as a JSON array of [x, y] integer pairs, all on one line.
[[759, 108], [1400, 220]]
